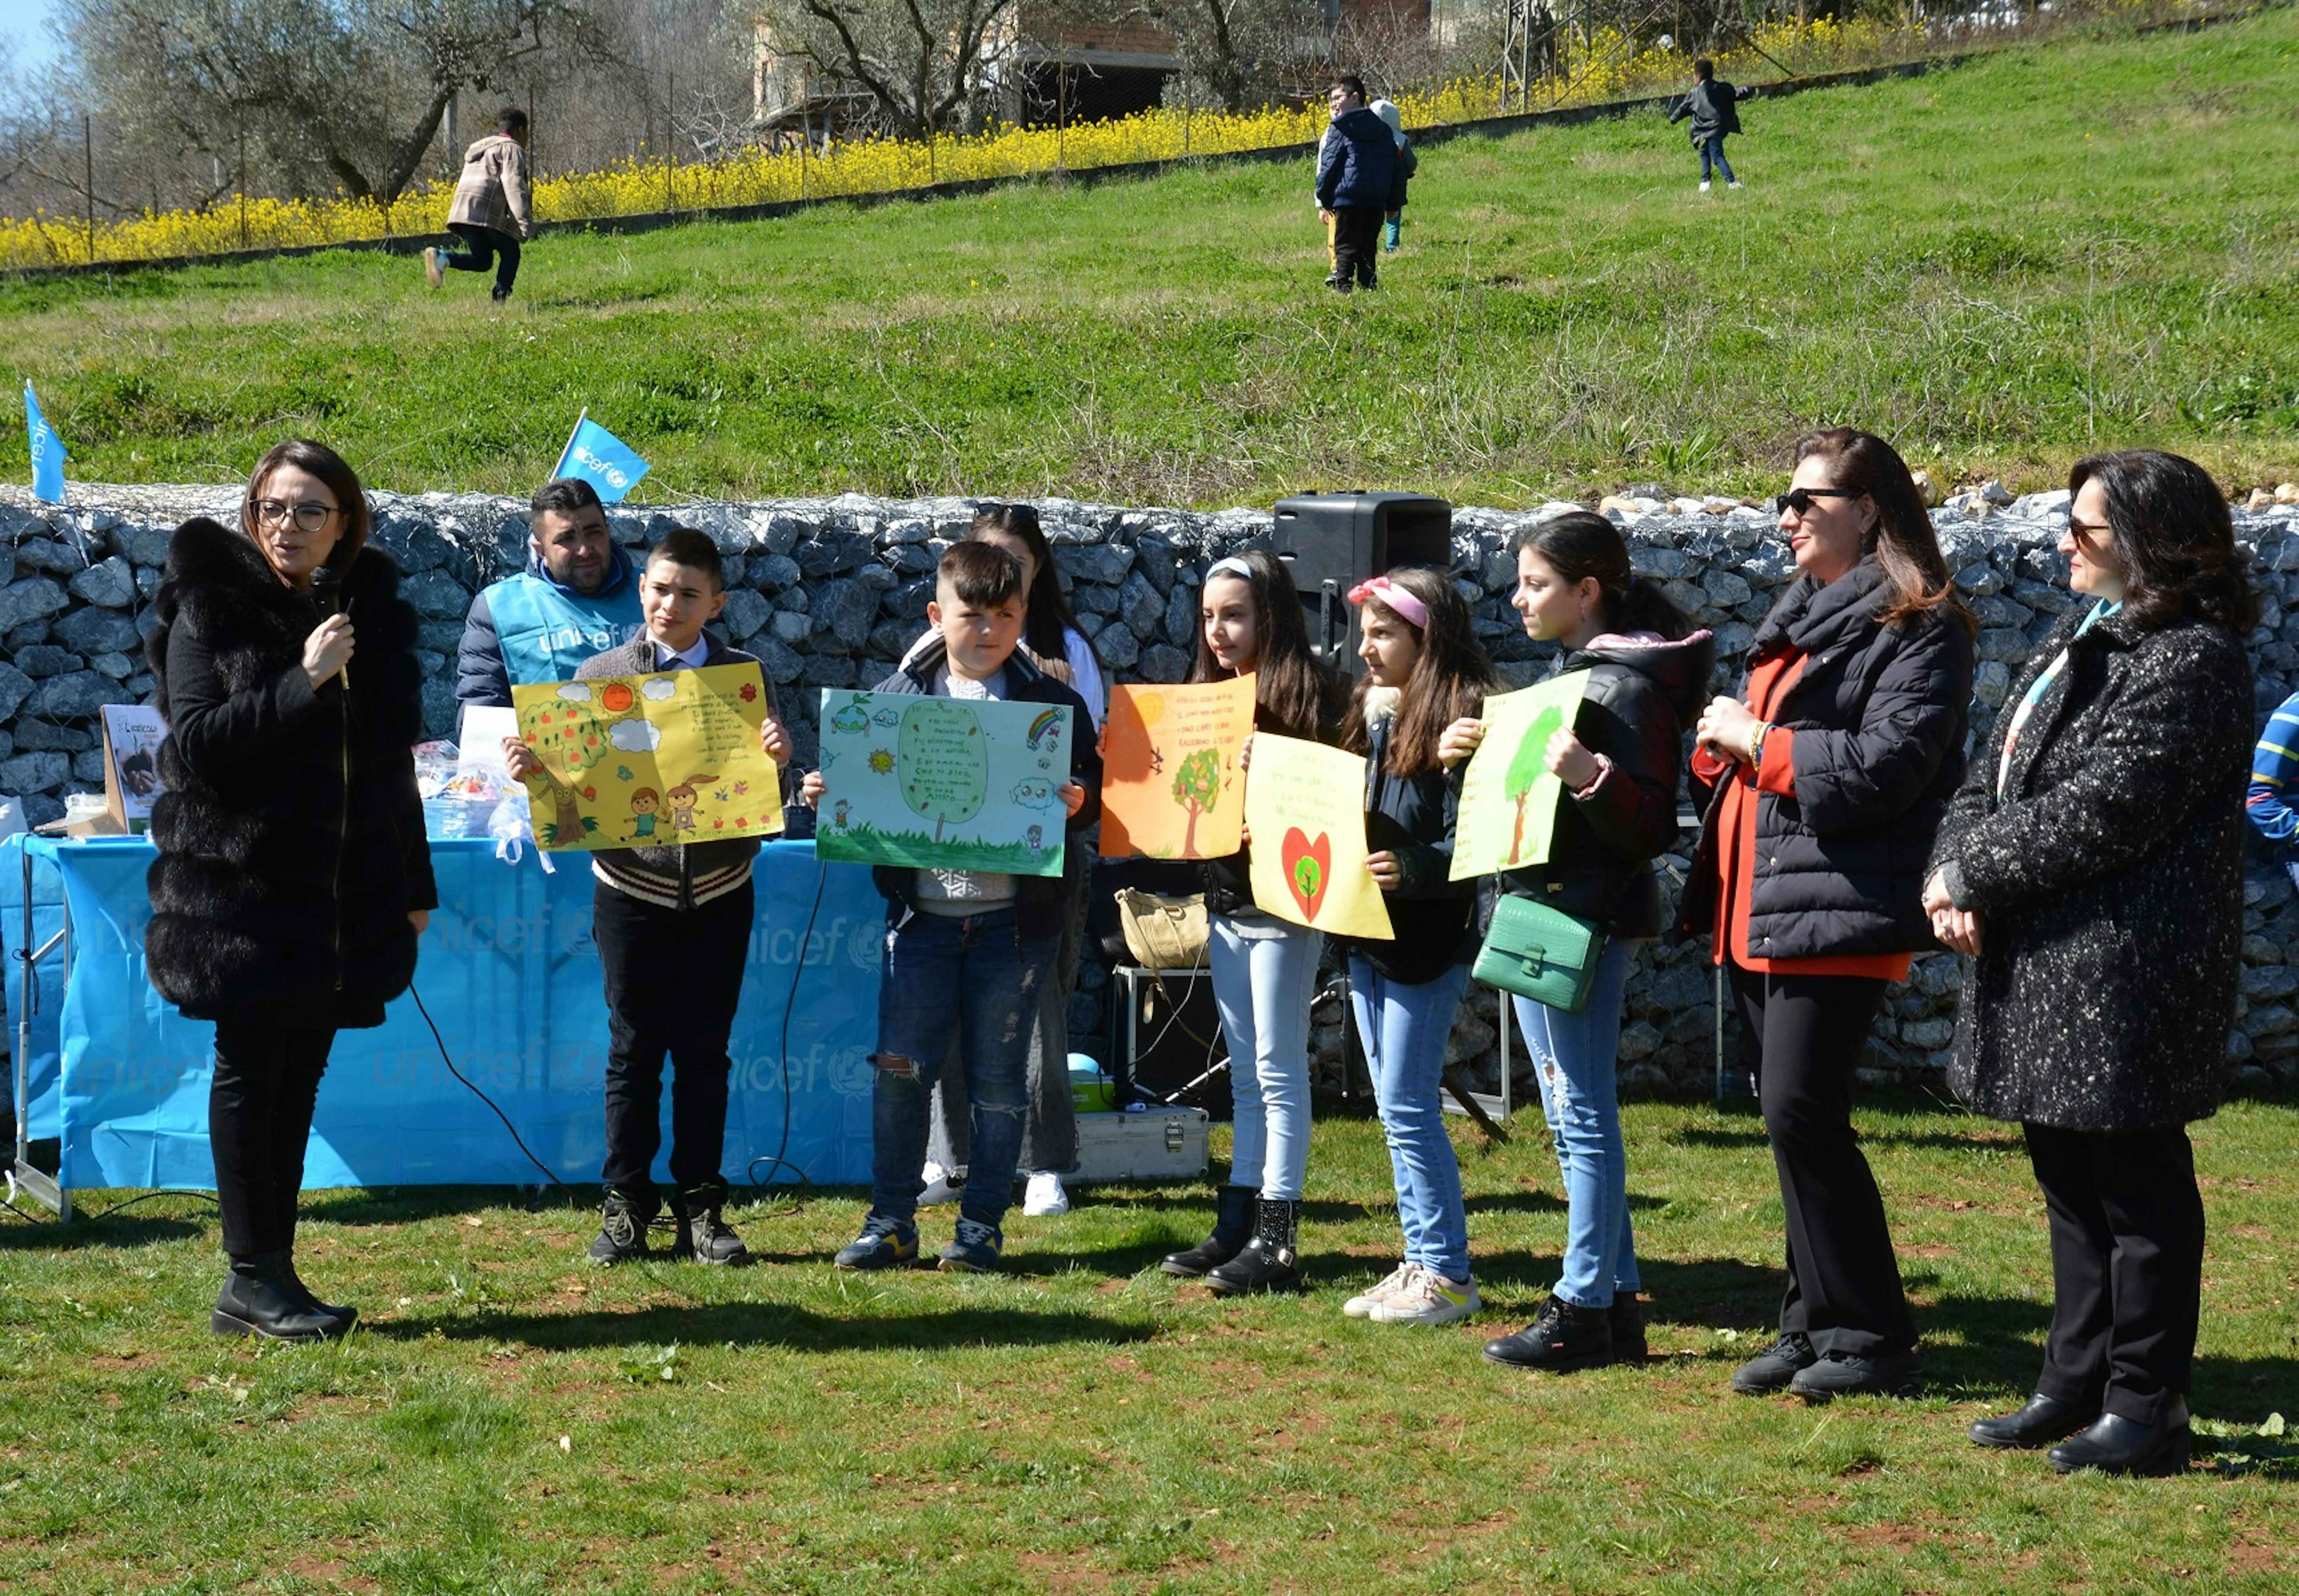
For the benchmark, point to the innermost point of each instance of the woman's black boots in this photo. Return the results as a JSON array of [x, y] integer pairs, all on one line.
[[262, 1296], [1268, 1262], [1232, 1225]]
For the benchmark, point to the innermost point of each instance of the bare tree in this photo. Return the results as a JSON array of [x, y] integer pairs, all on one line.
[[924, 63]]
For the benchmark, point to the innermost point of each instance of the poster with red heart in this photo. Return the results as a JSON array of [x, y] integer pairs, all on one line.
[[1305, 807]]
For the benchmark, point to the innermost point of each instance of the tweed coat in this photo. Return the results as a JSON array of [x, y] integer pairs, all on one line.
[[290, 837], [2109, 880]]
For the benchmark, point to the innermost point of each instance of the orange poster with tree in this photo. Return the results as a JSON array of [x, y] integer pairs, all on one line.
[[1170, 784]]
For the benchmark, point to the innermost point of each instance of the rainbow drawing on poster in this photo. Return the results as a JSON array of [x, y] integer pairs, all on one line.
[[943, 783]]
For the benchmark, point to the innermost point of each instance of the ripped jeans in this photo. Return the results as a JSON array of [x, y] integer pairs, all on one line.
[[1573, 1063], [971, 978]]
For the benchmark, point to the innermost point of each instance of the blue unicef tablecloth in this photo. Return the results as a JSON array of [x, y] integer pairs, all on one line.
[[510, 977]]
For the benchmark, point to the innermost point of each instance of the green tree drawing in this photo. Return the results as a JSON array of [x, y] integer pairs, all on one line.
[[943, 762], [1196, 788], [1526, 769]]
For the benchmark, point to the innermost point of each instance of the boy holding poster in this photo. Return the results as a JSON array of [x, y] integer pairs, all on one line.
[[672, 921], [967, 951]]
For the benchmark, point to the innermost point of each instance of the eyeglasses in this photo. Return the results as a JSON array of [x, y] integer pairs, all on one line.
[[1801, 499], [308, 515], [2091, 532]]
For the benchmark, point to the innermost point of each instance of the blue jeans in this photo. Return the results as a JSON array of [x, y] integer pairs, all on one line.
[[1711, 151], [1263, 987], [974, 979], [1572, 1058], [1404, 1029]]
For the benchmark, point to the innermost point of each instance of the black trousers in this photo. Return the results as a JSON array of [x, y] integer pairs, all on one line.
[[1356, 244], [673, 980], [1804, 1037], [260, 1106], [2126, 1266], [481, 248]]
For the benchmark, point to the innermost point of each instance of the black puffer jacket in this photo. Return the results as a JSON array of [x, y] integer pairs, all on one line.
[[1412, 816], [1640, 699], [1878, 715], [290, 836], [2109, 882]]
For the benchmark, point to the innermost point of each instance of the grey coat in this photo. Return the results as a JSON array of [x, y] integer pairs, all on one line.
[[2109, 880]]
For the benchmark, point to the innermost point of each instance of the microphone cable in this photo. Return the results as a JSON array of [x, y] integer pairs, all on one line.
[[778, 1159]]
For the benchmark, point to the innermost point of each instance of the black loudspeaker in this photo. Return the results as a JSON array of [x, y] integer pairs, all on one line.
[[1331, 542]]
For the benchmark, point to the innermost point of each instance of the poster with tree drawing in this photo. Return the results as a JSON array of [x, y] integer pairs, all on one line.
[[649, 761], [1304, 805], [1508, 798], [1170, 788], [943, 783]]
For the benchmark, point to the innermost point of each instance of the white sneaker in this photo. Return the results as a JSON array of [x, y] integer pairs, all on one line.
[[432, 270], [1704, 185], [1361, 1306], [1429, 1298], [942, 1184], [1043, 1197], [1735, 183]]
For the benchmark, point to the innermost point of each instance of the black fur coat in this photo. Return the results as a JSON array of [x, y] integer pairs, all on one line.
[[290, 836]]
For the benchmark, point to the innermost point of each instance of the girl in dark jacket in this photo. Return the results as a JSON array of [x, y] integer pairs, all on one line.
[[293, 875], [2093, 866], [1621, 764], [1264, 969], [1824, 782], [1424, 670]]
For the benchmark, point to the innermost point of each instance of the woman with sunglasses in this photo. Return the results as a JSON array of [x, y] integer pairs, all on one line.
[[2092, 866], [1824, 782], [293, 875]]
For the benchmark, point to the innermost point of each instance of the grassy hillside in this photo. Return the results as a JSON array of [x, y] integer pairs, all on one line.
[[2084, 244]]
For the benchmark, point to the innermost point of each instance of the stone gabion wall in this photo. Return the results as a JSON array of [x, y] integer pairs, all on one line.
[[828, 593]]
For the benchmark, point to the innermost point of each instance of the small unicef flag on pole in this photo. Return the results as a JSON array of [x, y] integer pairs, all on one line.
[[601, 459], [48, 452]]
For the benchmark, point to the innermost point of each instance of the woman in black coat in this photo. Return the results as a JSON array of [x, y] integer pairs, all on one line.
[[293, 875], [2093, 866], [1824, 784]]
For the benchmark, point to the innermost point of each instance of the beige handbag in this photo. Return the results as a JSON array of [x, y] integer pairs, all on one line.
[[1163, 933]]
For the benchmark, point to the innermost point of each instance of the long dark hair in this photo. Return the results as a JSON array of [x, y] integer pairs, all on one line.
[[1047, 619], [1451, 682], [1582, 544], [1904, 544], [1295, 693], [329, 467], [2174, 539]]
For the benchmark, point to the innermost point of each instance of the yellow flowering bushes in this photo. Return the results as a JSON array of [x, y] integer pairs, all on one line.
[[1613, 67]]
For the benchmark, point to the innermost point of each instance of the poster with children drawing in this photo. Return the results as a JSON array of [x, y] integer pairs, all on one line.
[[1304, 805], [648, 761], [943, 782], [1508, 797], [1170, 784]]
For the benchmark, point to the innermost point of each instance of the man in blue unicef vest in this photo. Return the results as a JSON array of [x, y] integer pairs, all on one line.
[[578, 596]]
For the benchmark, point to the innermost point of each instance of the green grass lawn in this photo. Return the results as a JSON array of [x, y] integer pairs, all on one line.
[[510, 1422], [2088, 242]]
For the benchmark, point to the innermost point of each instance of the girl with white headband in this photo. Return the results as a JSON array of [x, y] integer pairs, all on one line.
[[1264, 969], [1424, 670]]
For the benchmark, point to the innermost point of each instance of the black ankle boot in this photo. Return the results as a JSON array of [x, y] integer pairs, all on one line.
[[343, 1313], [2115, 1445], [1560, 1338], [1232, 1225], [258, 1300], [1268, 1262], [1626, 1318], [2045, 1421]]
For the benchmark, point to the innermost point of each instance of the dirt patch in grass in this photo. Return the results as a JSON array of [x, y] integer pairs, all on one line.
[[332, 1573], [1046, 1571]]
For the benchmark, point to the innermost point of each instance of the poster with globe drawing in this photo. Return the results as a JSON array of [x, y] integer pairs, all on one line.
[[646, 762], [1508, 797], [943, 782]]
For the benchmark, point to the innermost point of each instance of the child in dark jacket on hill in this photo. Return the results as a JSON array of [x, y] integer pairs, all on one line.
[[1714, 107], [1354, 169]]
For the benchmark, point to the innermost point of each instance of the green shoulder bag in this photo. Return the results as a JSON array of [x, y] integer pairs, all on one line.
[[1540, 952]]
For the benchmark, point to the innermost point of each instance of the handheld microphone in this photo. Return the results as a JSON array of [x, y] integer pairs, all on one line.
[[326, 584]]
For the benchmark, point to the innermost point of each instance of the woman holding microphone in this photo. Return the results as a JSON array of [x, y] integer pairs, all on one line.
[[1824, 782]]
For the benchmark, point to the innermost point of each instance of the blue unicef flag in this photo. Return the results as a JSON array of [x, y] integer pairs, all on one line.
[[48, 452], [601, 459]]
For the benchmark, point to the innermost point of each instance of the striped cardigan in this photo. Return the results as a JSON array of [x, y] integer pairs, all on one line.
[[2274, 775]]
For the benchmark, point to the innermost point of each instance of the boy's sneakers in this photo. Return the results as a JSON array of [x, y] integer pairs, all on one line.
[[1043, 1197], [702, 1234], [1735, 183], [1704, 185], [882, 1245], [433, 273], [622, 1233], [974, 1250], [1361, 1306], [1428, 1298], [1777, 1365], [942, 1185]]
